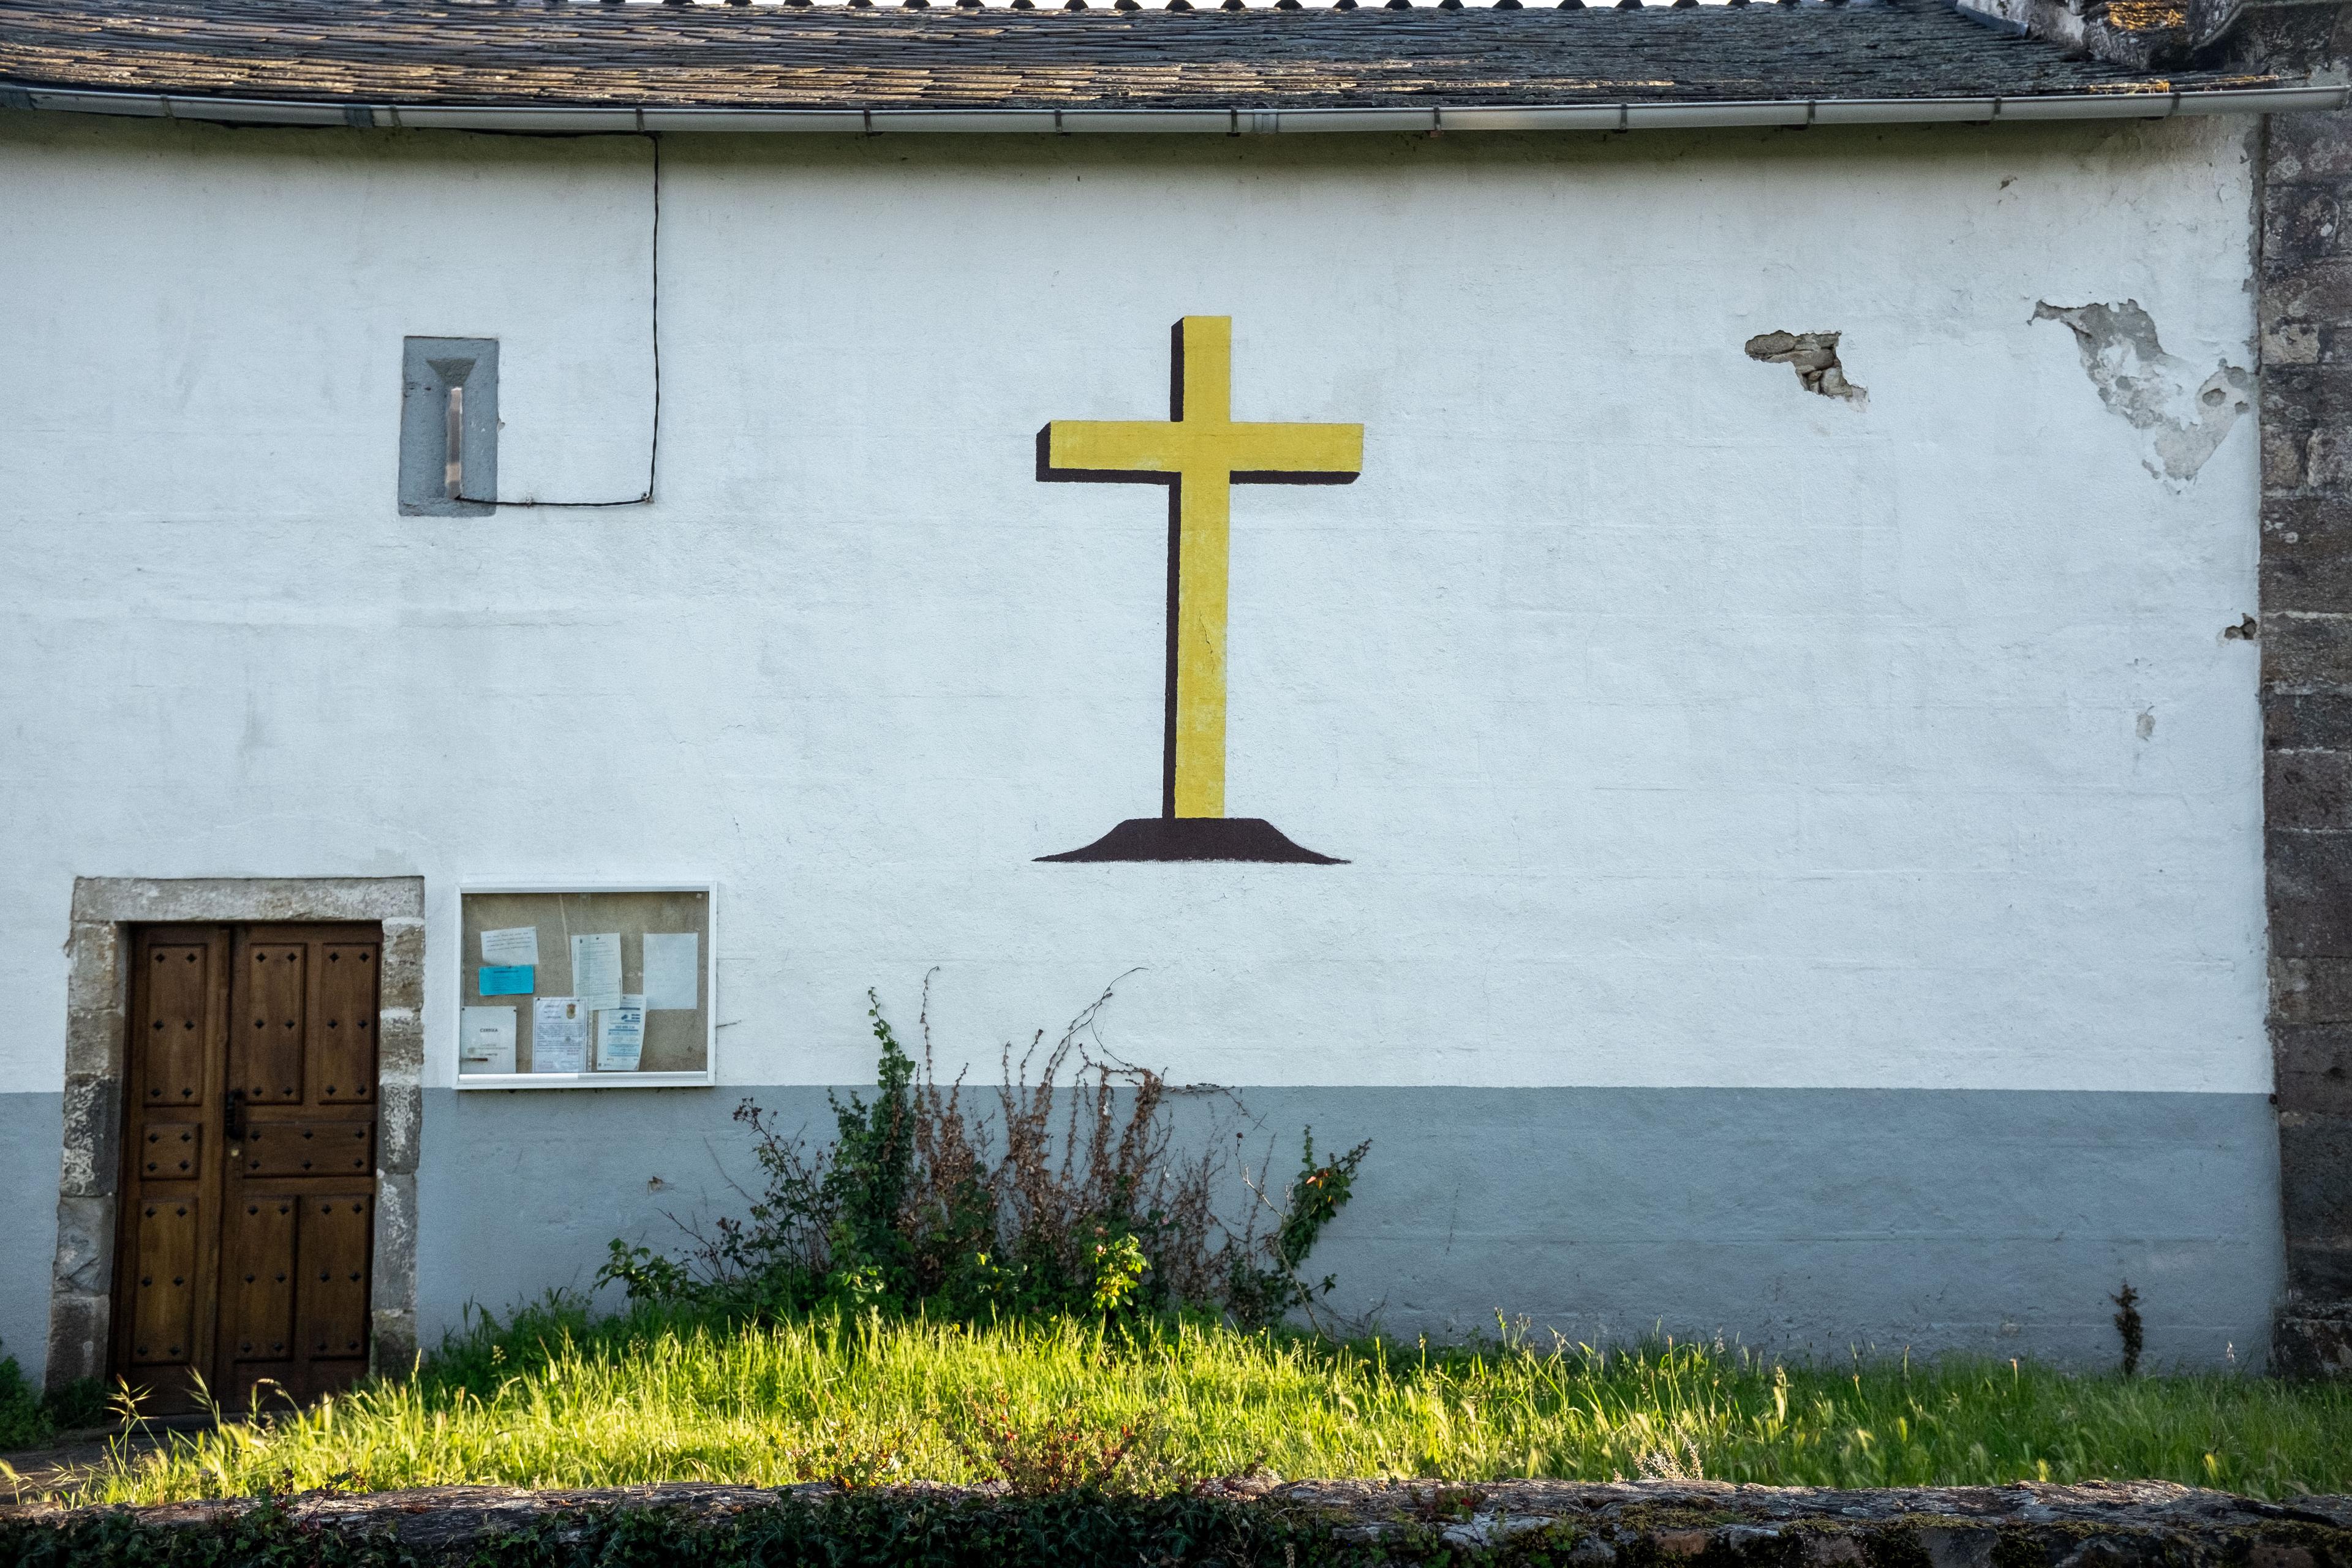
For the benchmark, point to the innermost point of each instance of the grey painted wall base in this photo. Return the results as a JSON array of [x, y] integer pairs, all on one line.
[[1801, 1220], [30, 1128]]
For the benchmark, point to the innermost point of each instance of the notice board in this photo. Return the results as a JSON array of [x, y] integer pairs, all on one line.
[[586, 987]]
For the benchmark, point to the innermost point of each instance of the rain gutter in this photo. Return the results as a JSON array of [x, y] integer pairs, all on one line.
[[2134, 104]]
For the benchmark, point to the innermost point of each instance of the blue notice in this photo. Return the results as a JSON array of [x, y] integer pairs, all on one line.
[[508, 979]]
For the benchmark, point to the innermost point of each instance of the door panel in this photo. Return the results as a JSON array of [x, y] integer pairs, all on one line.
[[266, 1063], [342, 1049], [259, 1289], [179, 1033], [308, 1148], [249, 1164], [163, 1300], [335, 1277], [173, 1151]]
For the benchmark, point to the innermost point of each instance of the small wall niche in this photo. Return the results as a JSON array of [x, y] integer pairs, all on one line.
[[448, 427]]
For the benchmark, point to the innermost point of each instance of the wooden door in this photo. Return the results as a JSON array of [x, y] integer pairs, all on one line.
[[249, 1177]]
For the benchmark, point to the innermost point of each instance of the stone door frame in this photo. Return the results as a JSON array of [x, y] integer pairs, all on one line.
[[97, 995]]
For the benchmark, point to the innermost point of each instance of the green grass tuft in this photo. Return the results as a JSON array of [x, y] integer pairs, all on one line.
[[552, 1398]]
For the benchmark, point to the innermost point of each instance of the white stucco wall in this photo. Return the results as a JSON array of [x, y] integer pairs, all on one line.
[[1681, 727]]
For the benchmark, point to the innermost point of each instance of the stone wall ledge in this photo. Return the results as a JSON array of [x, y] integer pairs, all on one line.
[[1707, 1524]]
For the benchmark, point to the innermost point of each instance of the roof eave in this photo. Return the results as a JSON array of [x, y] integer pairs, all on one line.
[[2138, 103]]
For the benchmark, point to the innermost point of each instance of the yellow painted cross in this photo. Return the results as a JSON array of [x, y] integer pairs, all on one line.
[[1202, 452]]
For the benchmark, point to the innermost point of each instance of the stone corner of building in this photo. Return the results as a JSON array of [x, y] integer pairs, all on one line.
[[2312, 1341]]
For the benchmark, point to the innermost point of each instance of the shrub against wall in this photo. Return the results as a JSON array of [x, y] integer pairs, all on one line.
[[26, 1418], [1075, 1198]]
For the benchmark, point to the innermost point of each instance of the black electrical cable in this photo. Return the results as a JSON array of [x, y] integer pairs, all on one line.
[[653, 452]]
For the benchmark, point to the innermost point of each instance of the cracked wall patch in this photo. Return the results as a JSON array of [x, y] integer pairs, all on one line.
[[1814, 357], [2186, 417]]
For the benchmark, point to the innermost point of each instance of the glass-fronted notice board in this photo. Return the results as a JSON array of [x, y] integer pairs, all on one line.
[[585, 987]]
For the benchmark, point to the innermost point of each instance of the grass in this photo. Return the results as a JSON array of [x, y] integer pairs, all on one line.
[[554, 1399]]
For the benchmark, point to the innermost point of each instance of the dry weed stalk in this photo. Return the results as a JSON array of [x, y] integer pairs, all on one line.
[[1072, 1197]]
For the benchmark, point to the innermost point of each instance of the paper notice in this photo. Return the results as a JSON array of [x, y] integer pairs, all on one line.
[[621, 1035], [673, 970], [559, 1035], [596, 970], [485, 1040], [516, 945], [508, 980]]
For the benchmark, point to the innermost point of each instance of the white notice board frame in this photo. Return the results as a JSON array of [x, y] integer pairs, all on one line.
[[706, 1077]]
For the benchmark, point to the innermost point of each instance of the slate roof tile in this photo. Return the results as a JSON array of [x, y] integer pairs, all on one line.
[[583, 53]]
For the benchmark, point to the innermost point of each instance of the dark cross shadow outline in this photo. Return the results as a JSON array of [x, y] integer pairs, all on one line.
[[1169, 837]]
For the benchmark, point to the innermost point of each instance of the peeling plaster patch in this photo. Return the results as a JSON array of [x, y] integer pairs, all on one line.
[[1815, 358], [2186, 422]]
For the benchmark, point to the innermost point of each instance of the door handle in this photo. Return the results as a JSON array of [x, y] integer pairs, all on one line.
[[233, 1116]]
